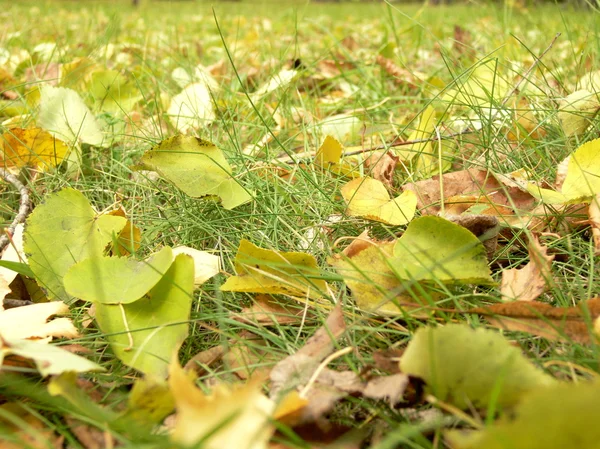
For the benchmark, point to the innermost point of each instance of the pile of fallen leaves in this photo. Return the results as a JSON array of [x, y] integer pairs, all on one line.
[[72, 271]]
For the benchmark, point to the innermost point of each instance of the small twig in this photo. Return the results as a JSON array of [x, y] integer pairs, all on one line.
[[24, 206]]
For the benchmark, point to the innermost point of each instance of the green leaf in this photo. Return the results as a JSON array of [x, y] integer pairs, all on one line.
[[583, 177], [375, 287], [62, 231], [435, 249], [198, 168], [264, 271], [150, 401], [468, 368], [558, 417], [49, 359], [112, 92], [146, 333], [64, 114], [116, 280]]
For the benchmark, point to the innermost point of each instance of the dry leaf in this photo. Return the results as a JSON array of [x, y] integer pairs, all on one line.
[[479, 183], [529, 282], [381, 166], [401, 75], [266, 311], [594, 214], [554, 323], [32, 321]]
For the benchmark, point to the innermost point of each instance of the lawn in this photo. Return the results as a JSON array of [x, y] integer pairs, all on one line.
[[333, 290]]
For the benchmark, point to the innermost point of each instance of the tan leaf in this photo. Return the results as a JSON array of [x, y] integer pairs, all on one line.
[[381, 166], [266, 311], [471, 182], [32, 321], [594, 214], [529, 282], [554, 323]]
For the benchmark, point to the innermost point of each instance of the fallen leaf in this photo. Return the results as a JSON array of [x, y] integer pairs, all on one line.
[[130, 237], [206, 265], [435, 249], [62, 231], [329, 157], [149, 402], [146, 333], [577, 111], [31, 147], [48, 359], [192, 108], [375, 286], [181, 159], [31, 321], [470, 368], [112, 91], [368, 198], [279, 81], [116, 280], [22, 429], [594, 215], [529, 282], [550, 418], [265, 271], [231, 416], [64, 114], [475, 182], [582, 181], [401, 76], [266, 311], [381, 166], [572, 324]]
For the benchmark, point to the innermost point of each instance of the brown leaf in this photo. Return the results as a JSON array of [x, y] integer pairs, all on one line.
[[594, 214], [382, 166], [485, 227], [529, 282], [89, 436], [266, 311], [25, 429], [321, 344], [401, 75], [472, 182], [554, 323], [206, 358], [388, 360]]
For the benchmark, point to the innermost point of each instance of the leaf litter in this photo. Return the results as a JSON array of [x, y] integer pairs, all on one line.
[[439, 166]]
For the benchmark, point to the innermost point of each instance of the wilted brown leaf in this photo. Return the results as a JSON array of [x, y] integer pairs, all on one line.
[[381, 166], [266, 311], [21, 429], [529, 282], [594, 214], [554, 323], [471, 182], [401, 75]]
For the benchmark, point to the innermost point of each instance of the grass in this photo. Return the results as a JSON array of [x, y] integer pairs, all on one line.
[[254, 41]]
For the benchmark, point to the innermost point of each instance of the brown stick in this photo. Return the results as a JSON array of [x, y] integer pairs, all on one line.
[[24, 206]]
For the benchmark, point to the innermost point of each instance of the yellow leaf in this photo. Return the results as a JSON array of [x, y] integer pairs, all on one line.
[[231, 416], [129, 239], [577, 111], [368, 198], [582, 181], [264, 271], [329, 157], [32, 147]]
